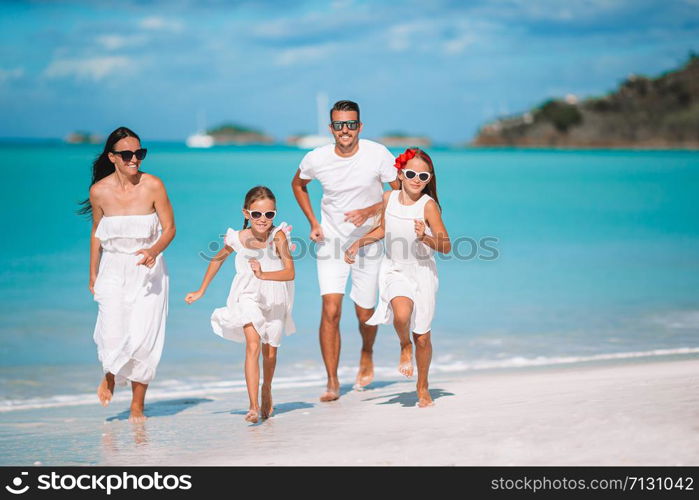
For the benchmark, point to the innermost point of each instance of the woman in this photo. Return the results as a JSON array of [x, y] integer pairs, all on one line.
[[132, 223]]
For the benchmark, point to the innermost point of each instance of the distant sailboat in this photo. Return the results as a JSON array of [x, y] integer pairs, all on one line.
[[323, 137], [200, 139]]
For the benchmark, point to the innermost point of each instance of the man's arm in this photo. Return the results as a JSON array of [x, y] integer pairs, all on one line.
[[359, 216], [304, 200]]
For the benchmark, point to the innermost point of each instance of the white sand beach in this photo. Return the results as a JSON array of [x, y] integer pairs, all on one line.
[[644, 412]]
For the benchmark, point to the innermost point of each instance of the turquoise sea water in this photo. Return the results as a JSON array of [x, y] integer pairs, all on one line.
[[597, 257]]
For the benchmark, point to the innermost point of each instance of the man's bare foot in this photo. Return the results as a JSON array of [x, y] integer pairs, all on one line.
[[405, 365], [266, 408], [106, 389], [331, 394], [365, 375], [252, 416], [424, 399], [137, 416]]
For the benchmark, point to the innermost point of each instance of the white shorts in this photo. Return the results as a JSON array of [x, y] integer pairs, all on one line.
[[333, 271]]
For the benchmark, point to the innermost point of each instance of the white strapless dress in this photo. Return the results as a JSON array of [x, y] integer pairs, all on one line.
[[130, 328]]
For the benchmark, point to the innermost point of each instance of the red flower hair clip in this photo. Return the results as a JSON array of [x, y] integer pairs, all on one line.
[[404, 158]]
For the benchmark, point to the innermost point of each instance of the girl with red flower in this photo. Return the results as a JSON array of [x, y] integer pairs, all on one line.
[[413, 230]]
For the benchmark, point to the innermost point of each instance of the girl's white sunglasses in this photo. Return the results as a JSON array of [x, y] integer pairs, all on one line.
[[410, 174], [256, 214]]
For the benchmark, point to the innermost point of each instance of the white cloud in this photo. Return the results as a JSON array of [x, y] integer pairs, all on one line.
[[292, 57], [457, 45], [402, 36], [95, 68], [10, 74], [116, 42], [156, 23], [555, 10]]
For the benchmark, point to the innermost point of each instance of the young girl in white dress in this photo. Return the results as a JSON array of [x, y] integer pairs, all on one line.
[[258, 310], [413, 230]]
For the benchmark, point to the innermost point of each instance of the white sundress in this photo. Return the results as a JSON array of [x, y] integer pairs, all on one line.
[[266, 304], [130, 327], [408, 268]]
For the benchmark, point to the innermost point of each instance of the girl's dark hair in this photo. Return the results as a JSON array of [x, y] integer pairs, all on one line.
[[257, 193], [431, 188], [102, 167]]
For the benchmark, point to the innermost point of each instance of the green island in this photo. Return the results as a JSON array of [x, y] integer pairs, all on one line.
[[644, 112]]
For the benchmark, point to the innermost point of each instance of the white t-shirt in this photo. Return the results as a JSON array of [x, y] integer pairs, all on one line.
[[348, 183]]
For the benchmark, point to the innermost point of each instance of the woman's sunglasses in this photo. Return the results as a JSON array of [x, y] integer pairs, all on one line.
[[256, 214], [423, 176], [128, 155], [351, 124]]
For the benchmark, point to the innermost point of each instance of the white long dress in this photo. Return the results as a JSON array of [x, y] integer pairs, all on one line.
[[408, 268], [130, 328], [267, 304]]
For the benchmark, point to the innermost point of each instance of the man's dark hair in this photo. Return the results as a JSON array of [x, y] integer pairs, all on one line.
[[345, 106]]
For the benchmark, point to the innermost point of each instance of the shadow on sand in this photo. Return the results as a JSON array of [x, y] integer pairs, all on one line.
[[163, 408], [278, 408], [409, 399], [380, 384]]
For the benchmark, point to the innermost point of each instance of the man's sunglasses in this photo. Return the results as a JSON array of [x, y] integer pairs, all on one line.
[[351, 124], [423, 176], [128, 155], [256, 214]]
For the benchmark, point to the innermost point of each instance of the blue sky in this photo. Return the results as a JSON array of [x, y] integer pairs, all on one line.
[[440, 68]]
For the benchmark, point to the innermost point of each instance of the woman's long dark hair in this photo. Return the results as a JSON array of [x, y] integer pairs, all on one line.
[[102, 167], [257, 193]]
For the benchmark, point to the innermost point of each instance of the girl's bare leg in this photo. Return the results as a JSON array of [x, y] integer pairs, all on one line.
[[402, 312], [105, 390], [423, 356], [252, 370], [138, 398], [269, 363]]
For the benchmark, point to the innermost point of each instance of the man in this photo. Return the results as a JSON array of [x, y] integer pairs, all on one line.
[[352, 172]]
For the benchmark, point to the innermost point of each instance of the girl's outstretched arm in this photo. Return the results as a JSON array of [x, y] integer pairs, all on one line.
[[214, 265], [281, 243], [439, 240]]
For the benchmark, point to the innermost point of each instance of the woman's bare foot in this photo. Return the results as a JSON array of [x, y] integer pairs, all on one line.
[[266, 408], [252, 416], [331, 394], [365, 375], [424, 399], [405, 365], [137, 416], [105, 390]]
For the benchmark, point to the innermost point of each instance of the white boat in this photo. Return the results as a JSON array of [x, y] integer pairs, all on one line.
[[200, 139], [323, 136]]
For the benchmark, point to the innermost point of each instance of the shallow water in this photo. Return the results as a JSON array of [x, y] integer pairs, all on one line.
[[597, 256]]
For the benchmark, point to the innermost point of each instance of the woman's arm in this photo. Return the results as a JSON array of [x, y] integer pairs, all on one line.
[[211, 270], [439, 240], [167, 221], [281, 244], [95, 245]]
